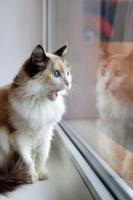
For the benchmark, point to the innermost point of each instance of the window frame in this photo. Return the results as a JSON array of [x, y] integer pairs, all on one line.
[[94, 185], [112, 182]]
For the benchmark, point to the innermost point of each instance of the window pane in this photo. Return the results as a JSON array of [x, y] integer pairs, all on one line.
[[100, 103]]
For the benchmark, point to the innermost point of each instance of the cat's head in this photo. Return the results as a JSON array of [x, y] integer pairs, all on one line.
[[46, 73], [115, 73]]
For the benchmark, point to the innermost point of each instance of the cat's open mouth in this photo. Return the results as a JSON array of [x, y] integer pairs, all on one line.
[[116, 93], [53, 94]]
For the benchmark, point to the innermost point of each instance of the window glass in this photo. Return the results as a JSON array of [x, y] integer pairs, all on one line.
[[100, 103]]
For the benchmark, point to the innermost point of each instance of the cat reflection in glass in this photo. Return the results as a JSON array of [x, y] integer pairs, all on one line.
[[30, 108], [115, 93]]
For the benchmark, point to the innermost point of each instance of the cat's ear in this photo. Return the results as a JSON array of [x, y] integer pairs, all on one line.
[[103, 51], [128, 54], [62, 51], [103, 54], [38, 54]]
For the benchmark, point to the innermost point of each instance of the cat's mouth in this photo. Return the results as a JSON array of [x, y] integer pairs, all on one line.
[[116, 93], [113, 92], [53, 94]]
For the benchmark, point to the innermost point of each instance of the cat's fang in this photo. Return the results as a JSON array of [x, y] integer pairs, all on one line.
[[53, 95]]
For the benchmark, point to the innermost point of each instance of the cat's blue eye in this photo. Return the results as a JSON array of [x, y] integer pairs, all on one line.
[[56, 73]]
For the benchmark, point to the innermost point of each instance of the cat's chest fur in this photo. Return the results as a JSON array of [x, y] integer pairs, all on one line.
[[112, 109], [40, 114]]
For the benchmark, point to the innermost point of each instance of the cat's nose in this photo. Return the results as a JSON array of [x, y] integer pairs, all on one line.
[[67, 83], [107, 84]]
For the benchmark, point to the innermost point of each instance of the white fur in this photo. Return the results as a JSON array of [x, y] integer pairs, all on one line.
[[116, 115], [35, 117]]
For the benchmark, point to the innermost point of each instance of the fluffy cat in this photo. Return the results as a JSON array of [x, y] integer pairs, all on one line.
[[30, 107], [115, 93]]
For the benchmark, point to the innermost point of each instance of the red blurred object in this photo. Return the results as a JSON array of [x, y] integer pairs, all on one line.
[[99, 24]]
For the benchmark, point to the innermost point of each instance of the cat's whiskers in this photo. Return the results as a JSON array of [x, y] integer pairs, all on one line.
[[77, 93]]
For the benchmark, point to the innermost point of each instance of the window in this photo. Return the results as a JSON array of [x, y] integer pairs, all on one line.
[[100, 36]]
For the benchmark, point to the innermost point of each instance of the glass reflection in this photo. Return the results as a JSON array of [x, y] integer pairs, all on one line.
[[99, 108]]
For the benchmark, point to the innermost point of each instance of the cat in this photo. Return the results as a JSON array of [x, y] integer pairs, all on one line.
[[30, 108], [114, 92]]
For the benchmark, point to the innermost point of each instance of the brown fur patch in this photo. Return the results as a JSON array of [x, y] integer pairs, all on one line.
[[47, 75], [13, 175], [59, 67], [5, 110]]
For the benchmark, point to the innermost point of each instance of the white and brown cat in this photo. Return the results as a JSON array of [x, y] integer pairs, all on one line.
[[30, 108], [115, 93]]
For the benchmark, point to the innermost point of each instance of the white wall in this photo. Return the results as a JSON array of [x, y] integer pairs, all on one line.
[[44, 24], [20, 32]]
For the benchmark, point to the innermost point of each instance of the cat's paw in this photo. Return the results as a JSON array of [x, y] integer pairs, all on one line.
[[33, 178], [43, 175]]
